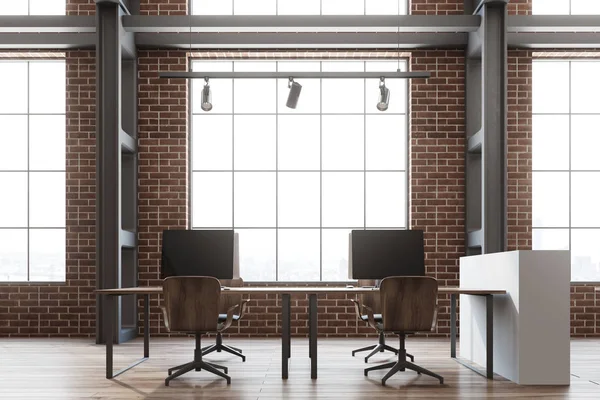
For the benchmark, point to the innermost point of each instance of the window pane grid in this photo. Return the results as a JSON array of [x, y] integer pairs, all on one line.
[[295, 7], [33, 169], [284, 263], [568, 145], [565, 7], [33, 7]]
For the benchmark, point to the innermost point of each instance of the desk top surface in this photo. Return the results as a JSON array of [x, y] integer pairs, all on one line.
[[291, 290]]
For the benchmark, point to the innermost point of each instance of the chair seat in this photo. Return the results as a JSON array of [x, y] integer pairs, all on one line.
[[223, 317], [376, 317]]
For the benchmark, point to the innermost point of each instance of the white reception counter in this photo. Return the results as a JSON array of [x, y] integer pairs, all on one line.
[[531, 323]]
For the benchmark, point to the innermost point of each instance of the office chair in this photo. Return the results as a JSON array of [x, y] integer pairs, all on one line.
[[192, 306], [409, 305], [225, 304], [372, 301]]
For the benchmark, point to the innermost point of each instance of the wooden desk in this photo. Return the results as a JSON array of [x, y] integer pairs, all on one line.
[[285, 293]]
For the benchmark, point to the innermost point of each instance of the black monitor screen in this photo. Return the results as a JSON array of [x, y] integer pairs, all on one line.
[[198, 253], [378, 254]]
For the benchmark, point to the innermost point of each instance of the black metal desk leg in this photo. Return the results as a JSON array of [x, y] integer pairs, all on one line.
[[285, 334], [453, 325], [489, 332], [313, 335], [289, 310], [309, 329], [110, 303], [146, 326]]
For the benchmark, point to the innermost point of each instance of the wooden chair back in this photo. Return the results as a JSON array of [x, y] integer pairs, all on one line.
[[408, 303], [371, 300], [230, 300], [192, 303]]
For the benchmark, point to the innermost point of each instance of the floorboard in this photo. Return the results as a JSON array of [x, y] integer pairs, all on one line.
[[74, 369]]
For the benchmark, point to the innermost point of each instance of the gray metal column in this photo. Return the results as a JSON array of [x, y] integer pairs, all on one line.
[[108, 160], [493, 150], [486, 172], [116, 169]]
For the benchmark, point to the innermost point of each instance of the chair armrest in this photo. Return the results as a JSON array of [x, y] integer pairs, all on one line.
[[164, 311], [243, 308], [370, 316], [229, 319], [435, 313], [356, 308]]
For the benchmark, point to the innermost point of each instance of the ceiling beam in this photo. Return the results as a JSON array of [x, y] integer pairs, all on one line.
[[284, 40], [553, 23], [305, 23], [47, 23], [555, 40], [46, 41]]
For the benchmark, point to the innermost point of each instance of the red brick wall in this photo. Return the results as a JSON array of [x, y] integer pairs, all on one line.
[[81, 7], [163, 7], [437, 7], [163, 160], [519, 138], [519, 7], [54, 308], [437, 165]]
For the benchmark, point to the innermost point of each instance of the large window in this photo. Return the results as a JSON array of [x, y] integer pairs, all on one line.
[[32, 7], [299, 7], [293, 183], [566, 165], [32, 171], [565, 7]]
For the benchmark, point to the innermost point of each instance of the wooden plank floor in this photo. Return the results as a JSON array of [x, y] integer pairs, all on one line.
[[74, 369]]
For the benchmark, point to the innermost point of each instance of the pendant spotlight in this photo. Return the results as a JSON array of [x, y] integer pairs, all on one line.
[[384, 96], [294, 95], [206, 104]]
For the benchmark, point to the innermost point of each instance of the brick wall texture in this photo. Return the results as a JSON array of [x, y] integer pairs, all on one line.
[[437, 186]]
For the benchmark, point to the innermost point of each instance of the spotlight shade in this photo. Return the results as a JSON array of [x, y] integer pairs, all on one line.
[[384, 98], [206, 104], [294, 95]]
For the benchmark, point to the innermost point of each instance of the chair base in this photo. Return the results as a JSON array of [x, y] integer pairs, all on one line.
[[197, 365], [401, 365], [379, 348], [219, 347]]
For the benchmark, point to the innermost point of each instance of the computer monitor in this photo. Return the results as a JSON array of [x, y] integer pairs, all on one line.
[[378, 254], [199, 253]]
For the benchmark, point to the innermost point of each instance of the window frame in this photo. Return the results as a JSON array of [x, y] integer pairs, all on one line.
[[28, 228], [64, 10], [406, 11], [406, 165], [569, 170], [570, 7]]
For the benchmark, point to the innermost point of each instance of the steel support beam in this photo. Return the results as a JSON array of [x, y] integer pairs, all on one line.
[[553, 23], [43, 41], [262, 40], [108, 163], [558, 40], [485, 152], [494, 116], [304, 23], [47, 24]]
